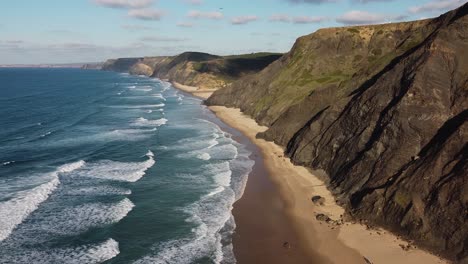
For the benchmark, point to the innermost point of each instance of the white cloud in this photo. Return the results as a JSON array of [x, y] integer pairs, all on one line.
[[437, 6], [297, 19], [162, 39], [280, 18], [194, 2], [146, 14], [312, 1], [308, 20], [357, 17], [242, 20], [209, 15], [128, 4], [185, 24], [136, 27]]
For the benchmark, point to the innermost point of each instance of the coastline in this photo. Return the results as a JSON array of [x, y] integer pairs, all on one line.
[[193, 90], [287, 214]]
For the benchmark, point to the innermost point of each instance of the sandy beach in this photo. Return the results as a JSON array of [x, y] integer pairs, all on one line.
[[276, 219], [195, 91]]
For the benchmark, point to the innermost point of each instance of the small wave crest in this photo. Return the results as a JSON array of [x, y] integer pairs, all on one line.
[[14, 211], [86, 254], [159, 96], [141, 121], [140, 106], [75, 220], [46, 134], [6, 163], [116, 170]]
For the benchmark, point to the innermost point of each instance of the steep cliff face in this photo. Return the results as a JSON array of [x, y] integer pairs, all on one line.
[[147, 65], [383, 110], [194, 68], [120, 65]]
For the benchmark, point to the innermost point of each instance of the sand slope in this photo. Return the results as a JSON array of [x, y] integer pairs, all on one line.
[[348, 243]]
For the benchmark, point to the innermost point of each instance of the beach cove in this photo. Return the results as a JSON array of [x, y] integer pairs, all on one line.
[[276, 221]]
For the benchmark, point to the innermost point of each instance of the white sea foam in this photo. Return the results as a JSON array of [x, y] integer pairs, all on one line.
[[160, 96], [204, 156], [97, 191], [210, 216], [131, 87], [108, 136], [145, 122], [225, 151], [143, 89], [214, 141], [87, 254], [7, 163], [14, 211], [46, 134], [78, 219], [221, 173], [216, 191], [115, 170], [140, 106], [149, 111], [165, 85]]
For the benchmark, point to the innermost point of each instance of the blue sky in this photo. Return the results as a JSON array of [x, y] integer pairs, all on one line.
[[59, 31]]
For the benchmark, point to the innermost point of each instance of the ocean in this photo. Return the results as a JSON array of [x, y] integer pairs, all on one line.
[[104, 167]]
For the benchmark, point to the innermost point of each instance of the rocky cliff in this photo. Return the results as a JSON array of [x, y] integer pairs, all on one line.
[[382, 110], [195, 68]]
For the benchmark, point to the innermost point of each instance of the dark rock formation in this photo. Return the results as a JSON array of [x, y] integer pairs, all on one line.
[[383, 110], [120, 65], [318, 200], [323, 218]]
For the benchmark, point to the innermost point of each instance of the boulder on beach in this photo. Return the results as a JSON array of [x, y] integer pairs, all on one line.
[[318, 200], [323, 218]]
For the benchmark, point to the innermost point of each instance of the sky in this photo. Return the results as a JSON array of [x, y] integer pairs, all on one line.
[[67, 31]]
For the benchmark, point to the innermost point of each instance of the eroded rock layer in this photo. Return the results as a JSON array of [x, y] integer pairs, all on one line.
[[383, 110]]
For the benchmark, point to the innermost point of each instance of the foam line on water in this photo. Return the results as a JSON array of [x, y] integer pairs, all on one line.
[[14, 211], [210, 216], [46, 134], [97, 191], [141, 121], [6, 163], [86, 254], [116, 170], [159, 96], [139, 106], [78, 219]]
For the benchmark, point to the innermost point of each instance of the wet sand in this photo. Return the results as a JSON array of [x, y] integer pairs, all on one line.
[[276, 208]]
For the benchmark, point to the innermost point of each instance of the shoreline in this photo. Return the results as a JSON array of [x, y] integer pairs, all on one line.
[[193, 90], [290, 189]]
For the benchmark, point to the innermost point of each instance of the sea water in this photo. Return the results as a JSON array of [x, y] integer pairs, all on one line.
[[102, 167]]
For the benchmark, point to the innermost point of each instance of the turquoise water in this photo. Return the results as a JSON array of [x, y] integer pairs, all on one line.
[[101, 167]]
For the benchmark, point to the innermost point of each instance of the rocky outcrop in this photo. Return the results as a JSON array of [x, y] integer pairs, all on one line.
[[120, 65], [383, 110], [195, 68], [92, 66]]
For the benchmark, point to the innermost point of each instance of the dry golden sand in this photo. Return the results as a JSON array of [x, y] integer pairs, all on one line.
[[196, 91], [348, 243]]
